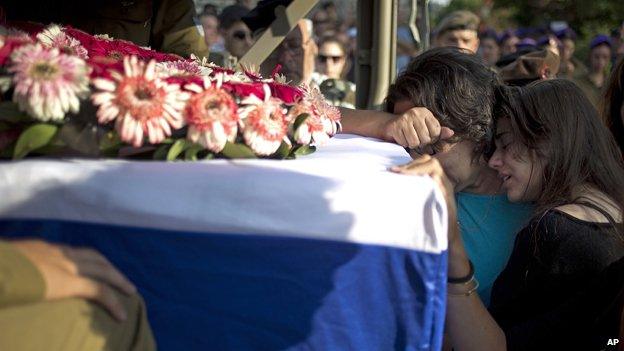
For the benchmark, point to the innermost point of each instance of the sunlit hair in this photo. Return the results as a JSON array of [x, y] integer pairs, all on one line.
[[554, 120], [456, 87]]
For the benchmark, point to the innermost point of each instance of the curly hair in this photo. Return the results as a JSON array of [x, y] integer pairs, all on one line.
[[456, 87]]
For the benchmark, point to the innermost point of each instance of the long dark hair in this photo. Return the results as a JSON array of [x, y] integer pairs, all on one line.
[[612, 104], [554, 120]]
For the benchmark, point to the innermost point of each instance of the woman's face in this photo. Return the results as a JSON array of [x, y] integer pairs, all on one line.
[[509, 45], [520, 170], [331, 60], [567, 49], [599, 58], [490, 51], [238, 39]]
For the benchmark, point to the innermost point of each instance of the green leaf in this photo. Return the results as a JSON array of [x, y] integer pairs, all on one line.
[[177, 148], [10, 113], [283, 151], [209, 156], [161, 152], [191, 153], [110, 140], [299, 121], [237, 151], [304, 150], [34, 138]]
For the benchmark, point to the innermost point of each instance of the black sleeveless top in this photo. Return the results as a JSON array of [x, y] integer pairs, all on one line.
[[563, 286]]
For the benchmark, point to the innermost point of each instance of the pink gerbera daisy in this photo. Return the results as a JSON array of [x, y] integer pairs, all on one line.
[[312, 129], [140, 103], [328, 114], [54, 37], [48, 84], [211, 115], [265, 123]]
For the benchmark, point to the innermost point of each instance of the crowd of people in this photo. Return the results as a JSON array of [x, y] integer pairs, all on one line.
[[318, 51], [524, 140]]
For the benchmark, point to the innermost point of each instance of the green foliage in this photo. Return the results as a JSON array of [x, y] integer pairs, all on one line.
[[235, 150], [178, 147], [304, 150], [33, 138]]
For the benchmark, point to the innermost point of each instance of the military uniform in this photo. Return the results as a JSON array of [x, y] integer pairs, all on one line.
[[28, 323], [163, 25]]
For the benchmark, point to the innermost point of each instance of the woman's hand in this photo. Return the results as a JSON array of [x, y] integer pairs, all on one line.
[[77, 272], [415, 128]]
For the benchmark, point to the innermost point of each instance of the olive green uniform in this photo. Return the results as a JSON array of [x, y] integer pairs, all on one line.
[[163, 25], [28, 323]]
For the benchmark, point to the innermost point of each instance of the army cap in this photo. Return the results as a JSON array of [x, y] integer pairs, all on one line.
[[530, 67], [458, 20]]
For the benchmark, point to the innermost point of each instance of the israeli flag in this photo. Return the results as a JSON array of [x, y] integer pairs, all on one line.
[[327, 252]]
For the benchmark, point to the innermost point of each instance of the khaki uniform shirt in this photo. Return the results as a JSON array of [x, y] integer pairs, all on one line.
[[163, 25], [20, 281]]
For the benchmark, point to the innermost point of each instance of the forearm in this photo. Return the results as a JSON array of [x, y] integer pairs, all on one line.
[[368, 123], [469, 324]]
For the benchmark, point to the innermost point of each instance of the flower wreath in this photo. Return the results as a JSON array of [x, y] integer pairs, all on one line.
[[65, 92]]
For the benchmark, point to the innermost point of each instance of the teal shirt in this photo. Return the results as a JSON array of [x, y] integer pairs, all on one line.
[[488, 225]]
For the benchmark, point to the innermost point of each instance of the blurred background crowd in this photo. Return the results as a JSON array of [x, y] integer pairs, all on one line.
[[584, 38]]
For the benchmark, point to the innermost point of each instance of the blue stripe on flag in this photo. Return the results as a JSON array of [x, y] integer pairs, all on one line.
[[248, 292]]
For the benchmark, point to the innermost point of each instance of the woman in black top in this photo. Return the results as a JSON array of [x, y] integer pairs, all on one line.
[[564, 284]]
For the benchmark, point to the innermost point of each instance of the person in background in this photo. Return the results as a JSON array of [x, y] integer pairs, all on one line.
[[530, 67], [570, 66], [613, 104], [332, 67], [458, 29], [57, 297], [210, 23], [164, 25], [508, 42], [489, 49], [550, 42], [296, 55], [332, 58], [599, 57], [237, 38], [325, 20]]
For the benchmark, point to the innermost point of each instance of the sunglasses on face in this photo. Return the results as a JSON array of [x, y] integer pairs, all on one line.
[[325, 58], [241, 35]]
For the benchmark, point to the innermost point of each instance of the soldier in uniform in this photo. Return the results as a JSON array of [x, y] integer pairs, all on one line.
[[46, 301], [458, 29], [163, 25]]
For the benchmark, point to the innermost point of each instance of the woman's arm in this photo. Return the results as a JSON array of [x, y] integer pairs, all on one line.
[[468, 323], [414, 128]]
